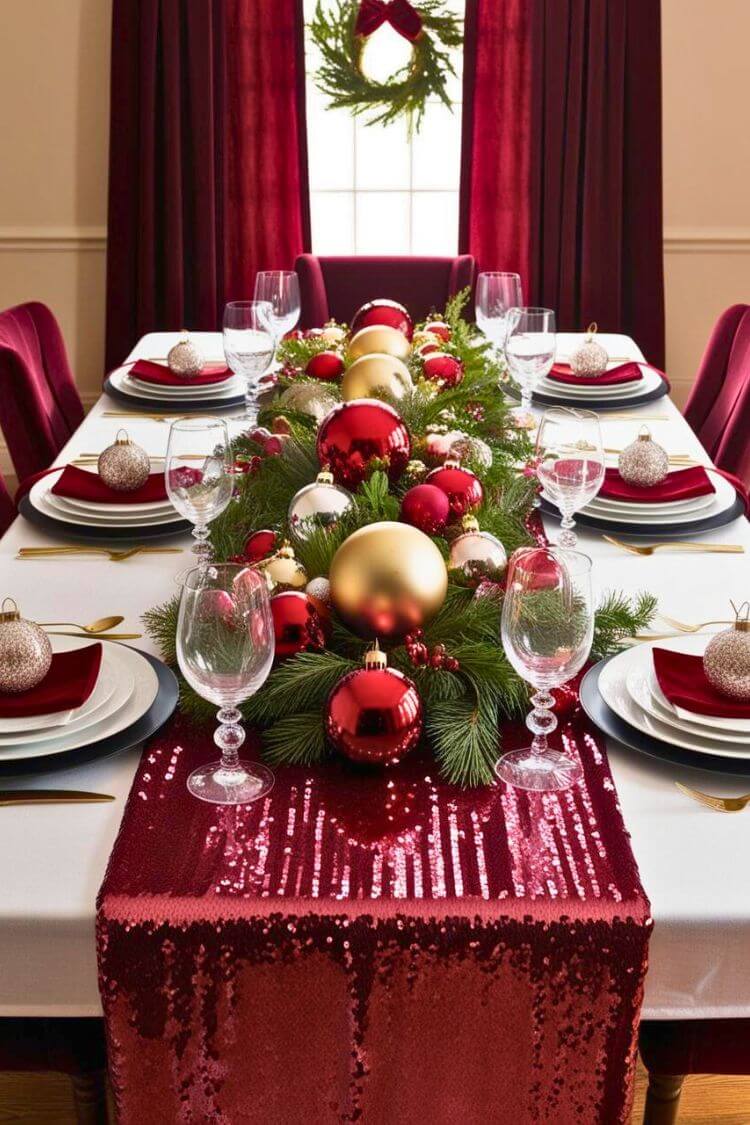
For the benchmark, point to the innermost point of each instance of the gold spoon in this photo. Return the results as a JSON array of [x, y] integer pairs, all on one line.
[[101, 625]]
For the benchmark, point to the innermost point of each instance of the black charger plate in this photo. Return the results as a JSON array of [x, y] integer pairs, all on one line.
[[654, 530], [149, 723], [171, 406], [87, 533], [611, 724], [598, 404]]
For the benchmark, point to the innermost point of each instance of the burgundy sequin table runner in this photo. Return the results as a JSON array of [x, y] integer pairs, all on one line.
[[376, 948]]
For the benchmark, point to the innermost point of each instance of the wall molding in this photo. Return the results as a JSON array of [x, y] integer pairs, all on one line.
[[45, 240], [707, 240]]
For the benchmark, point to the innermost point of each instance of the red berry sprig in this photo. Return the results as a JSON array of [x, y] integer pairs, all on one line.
[[420, 655]]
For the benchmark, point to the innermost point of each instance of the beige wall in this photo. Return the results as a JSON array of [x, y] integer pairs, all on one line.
[[53, 120]]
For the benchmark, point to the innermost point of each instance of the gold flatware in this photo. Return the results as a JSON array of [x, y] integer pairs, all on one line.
[[112, 554], [101, 625], [138, 414], [98, 636], [51, 797], [684, 628], [721, 804], [677, 545]]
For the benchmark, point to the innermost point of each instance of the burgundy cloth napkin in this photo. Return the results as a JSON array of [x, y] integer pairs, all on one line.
[[78, 484], [161, 376], [70, 681], [683, 681], [625, 373], [681, 485]]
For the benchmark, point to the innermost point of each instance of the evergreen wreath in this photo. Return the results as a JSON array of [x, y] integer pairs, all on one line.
[[340, 34]]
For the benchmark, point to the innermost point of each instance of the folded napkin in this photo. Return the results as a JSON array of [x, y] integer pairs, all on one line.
[[161, 376], [70, 681], [683, 681], [625, 373], [681, 485], [78, 484]]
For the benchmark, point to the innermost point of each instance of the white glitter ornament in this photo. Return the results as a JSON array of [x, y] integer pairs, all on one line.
[[643, 462], [467, 448], [184, 358], [726, 660], [590, 359], [25, 651], [318, 505], [479, 555], [124, 466], [308, 398], [319, 588]]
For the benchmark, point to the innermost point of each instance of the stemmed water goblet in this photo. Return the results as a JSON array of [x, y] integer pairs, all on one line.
[[280, 289], [197, 472], [249, 347], [225, 649], [497, 293], [569, 461], [547, 630], [529, 351]]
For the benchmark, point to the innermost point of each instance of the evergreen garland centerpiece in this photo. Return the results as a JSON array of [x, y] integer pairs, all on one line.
[[386, 520]]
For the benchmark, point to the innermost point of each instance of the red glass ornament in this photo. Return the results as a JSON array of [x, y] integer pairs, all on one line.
[[427, 508], [439, 367], [299, 623], [462, 487], [356, 433], [383, 311], [325, 366], [374, 715], [260, 545], [440, 329], [425, 349]]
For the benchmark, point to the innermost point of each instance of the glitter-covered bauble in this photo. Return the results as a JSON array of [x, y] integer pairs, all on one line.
[[300, 624], [260, 545], [326, 366], [387, 579], [283, 571], [644, 462], [184, 358], [439, 367], [378, 339], [462, 487], [440, 329], [590, 359], [124, 466], [427, 508], [333, 333], [726, 660], [374, 373], [374, 714], [318, 505], [320, 589], [479, 555], [467, 448], [356, 436], [25, 651], [308, 398], [382, 311]]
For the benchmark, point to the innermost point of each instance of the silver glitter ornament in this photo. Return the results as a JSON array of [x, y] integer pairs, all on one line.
[[184, 358], [467, 448], [726, 660], [643, 462], [124, 466], [318, 505], [308, 398], [25, 651], [479, 555], [319, 588], [590, 359]]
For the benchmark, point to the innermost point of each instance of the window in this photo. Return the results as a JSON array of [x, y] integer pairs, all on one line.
[[374, 190]]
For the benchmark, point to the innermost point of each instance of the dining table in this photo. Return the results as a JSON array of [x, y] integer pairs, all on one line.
[[692, 859]]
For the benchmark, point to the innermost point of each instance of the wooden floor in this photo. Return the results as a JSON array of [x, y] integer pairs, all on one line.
[[45, 1100]]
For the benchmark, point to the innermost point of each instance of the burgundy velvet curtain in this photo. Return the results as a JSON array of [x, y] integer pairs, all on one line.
[[579, 105], [208, 159]]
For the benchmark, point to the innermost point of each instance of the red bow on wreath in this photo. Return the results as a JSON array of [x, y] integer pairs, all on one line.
[[400, 14]]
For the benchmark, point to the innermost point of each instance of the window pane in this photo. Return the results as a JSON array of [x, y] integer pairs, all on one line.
[[382, 156], [382, 222], [434, 222], [436, 150], [331, 151], [332, 219]]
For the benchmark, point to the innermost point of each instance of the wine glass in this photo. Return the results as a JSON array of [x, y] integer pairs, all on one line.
[[547, 630], [197, 471], [569, 462], [497, 293], [529, 350], [249, 347], [280, 289], [225, 649]]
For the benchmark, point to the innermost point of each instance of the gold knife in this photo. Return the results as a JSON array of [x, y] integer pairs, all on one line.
[[50, 797]]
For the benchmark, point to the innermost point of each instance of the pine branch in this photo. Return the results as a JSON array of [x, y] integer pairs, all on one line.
[[466, 740], [618, 617], [302, 683], [297, 740]]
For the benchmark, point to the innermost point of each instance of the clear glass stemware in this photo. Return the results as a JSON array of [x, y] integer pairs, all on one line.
[[280, 289], [497, 293], [529, 350], [547, 630], [197, 472], [225, 649], [569, 461], [249, 347]]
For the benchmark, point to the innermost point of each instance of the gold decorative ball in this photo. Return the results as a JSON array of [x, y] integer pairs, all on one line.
[[387, 579], [184, 358], [283, 571], [381, 339], [308, 398], [373, 373], [124, 466]]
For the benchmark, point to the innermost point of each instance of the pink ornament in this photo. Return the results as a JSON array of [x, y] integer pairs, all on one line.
[[427, 508]]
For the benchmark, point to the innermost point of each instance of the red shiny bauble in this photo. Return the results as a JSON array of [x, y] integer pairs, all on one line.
[[425, 349], [374, 715], [359, 432], [427, 508], [440, 329], [326, 366], [439, 367], [260, 545], [383, 312], [462, 487], [300, 623]]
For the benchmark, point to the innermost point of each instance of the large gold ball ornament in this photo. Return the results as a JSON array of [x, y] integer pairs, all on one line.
[[308, 398], [387, 579], [373, 373], [380, 339], [283, 571]]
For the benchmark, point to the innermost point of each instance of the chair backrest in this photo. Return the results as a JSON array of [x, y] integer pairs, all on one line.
[[715, 403], [7, 508], [337, 287], [39, 404]]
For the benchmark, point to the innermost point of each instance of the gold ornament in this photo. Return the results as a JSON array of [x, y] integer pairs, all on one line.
[[644, 462], [308, 398], [387, 579], [333, 333], [372, 373], [421, 337], [283, 571], [590, 359], [726, 660], [25, 651], [184, 358], [124, 466], [379, 339]]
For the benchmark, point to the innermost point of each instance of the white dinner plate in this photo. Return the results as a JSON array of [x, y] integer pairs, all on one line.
[[650, 381], [723, 499], [152, 508], [44, 502], [121, 381], [739, 726], [638, 684], [103, 690], [674, 507], [202, 390], [142, 519]]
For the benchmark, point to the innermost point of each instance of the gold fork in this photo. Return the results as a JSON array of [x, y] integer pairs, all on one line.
[[138, 414], [684, 628], [721, 804], [678, 545], [115, 555]]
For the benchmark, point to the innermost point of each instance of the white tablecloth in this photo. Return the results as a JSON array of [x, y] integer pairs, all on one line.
[[693, 861]]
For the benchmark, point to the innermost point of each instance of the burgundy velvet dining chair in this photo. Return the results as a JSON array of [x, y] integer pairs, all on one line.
[[336, 287], [7, 508], [39, 404]]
